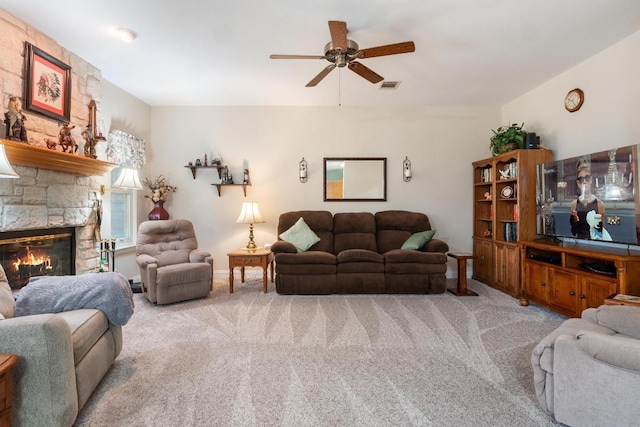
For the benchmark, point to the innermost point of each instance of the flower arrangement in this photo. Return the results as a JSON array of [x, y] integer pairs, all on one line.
[[159, 188]]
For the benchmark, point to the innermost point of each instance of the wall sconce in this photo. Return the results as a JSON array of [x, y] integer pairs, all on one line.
[[406, 169], [302, 170]]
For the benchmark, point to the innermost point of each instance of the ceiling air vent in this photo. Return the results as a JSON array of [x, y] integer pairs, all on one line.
[[389, 85]]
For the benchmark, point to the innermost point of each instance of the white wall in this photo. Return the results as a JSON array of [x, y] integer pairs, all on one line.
[[610, 113], [122, 111], [270, 141]]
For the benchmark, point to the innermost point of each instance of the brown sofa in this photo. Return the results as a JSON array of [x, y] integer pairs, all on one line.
[[360, 253]]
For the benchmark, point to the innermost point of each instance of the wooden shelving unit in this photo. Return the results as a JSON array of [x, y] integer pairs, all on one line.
[[555, 274], [219, 187], [504, 212]]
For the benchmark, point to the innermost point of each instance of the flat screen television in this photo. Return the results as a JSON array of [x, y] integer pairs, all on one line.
[[592, 197]]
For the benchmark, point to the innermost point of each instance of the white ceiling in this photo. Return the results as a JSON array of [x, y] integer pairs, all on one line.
[[198, 52]]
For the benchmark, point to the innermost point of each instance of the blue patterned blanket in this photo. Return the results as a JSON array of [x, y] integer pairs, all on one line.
[[108, 292]]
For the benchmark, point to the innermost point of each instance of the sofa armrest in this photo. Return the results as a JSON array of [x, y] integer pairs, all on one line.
[[616, 350], [282, 246], [44, 378], [143, 260], [624, 319], [591, 392], [435, 245], [200, 256]]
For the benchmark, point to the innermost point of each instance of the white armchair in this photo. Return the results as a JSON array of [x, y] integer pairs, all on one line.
[[587, 372], [171, 266]]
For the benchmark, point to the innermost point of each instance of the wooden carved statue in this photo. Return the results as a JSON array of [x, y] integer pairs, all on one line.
[[89, 143], [14, 121], [65, 140]]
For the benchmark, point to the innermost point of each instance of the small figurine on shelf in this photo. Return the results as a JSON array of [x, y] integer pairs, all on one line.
[[198, 162], [225, 177], [246, 177], [89, 143], [206, 160], [14, 120], [65, 140]]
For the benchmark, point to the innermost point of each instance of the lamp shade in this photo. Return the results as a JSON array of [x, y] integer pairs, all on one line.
[[6, 171], [128, 179], [250, 214]]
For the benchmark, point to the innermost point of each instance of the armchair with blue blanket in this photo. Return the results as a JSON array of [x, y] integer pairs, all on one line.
[[66, 348]]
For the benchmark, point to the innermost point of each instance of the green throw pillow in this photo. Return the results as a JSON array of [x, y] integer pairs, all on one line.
[[418, 240], [300, 235]]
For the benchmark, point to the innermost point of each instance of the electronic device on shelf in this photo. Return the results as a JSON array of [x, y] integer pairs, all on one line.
[[600, 268], [549, 259], [611, 180]]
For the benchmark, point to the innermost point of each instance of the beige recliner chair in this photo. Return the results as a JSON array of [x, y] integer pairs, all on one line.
[[587, 372], [171, 266]]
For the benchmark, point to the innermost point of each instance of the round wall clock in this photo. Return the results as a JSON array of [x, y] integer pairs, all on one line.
[[574, 100]]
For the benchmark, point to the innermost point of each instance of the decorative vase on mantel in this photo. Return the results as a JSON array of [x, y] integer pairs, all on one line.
[[158, 211]]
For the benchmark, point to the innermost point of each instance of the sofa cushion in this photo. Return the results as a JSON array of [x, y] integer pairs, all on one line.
[[300, 235], [7, 303], [182, 273], [306, 263], [169, 241], [87, 326], [354, 230], [321, 222], [418, 240], [394, 227]]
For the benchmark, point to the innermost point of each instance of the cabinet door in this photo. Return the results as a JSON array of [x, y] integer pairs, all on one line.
[[535, 281], [507, 268], [563, 290], [595, 291], [482, 266]]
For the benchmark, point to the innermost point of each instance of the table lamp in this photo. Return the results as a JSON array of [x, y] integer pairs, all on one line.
[[250, 214]]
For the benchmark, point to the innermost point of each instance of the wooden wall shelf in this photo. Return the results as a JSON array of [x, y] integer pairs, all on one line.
[[244, 187], [23, 154]]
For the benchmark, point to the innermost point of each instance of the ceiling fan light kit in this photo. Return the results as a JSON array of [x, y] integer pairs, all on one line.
[[342, 52]]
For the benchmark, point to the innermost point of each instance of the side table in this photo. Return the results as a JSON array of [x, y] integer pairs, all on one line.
[[461, 290], [250, 258], [620, 299], [6, 387]]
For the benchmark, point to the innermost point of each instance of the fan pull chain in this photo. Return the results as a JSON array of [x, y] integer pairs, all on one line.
[[339, 87]]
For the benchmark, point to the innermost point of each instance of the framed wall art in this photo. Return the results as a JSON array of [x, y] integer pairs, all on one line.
[[47, 87]]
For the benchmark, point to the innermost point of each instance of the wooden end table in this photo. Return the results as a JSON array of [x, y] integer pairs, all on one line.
[[616, 299], [250, 258], [6, 387], [461, 290]]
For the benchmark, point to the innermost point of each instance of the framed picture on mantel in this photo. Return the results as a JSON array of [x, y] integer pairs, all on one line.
[[47, 88]]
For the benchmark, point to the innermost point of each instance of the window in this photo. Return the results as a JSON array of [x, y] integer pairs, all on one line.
[[123, 211]]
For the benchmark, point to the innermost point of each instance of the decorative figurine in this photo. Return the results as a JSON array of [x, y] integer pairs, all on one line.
[[226, 178], [14, 121], [89, 143], [65, 140], [246, 177], [198, 162], [206, 162]]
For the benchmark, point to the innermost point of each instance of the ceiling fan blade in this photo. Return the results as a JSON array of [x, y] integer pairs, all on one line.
[[390, 49], [297, 57], [365, 72], [321, 75], [338, 30]]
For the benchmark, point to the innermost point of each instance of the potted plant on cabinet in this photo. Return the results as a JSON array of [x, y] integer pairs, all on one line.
[[507, 138]]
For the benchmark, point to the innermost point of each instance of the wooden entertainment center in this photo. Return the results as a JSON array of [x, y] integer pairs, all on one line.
[[569, 277]]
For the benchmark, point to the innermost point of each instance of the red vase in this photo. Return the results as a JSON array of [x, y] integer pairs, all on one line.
[[158, 211]]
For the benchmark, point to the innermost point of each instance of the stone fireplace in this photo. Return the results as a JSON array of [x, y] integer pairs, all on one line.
[[58, 193]]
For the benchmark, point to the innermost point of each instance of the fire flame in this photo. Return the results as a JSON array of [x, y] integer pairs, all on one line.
[[31, 259]]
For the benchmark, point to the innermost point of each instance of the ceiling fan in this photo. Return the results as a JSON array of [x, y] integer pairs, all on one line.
[[342, 52]]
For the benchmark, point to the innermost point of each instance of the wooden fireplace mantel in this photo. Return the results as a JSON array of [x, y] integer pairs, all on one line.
[[23, 154]]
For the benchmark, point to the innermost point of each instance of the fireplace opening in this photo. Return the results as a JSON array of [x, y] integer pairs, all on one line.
[[42, 252]]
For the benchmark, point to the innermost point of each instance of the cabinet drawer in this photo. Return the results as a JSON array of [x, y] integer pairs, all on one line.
[[246, 261]]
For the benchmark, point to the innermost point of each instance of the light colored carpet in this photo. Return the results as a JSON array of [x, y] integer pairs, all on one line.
[[254, 359]]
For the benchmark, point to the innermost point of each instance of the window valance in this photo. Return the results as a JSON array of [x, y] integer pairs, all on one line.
[[125, 149]]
